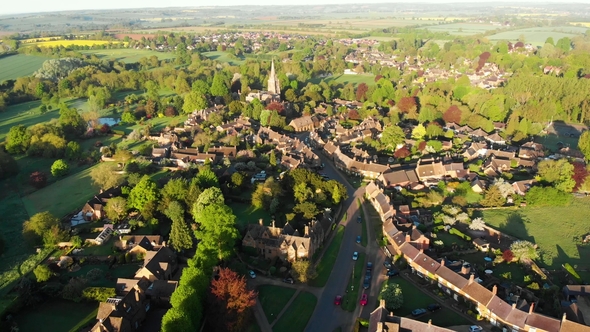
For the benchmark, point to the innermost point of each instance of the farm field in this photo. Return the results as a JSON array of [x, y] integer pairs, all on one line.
[[64, 42], [347, 78], [19, 65], [552, 228], [537, 36], [128, 55], [26, 114], [462, 29]]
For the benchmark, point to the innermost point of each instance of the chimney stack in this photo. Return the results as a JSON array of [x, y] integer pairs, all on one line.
[[442, 262], [429, 323], [382, 303], [514, 305], [471, 278], [494, 289], [260, 222], [532, 308], [563, 318], [136, 296], [408, 237]]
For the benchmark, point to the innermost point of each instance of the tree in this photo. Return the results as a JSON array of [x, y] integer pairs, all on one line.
[[122, 156], [42, 273], [194, 101], [116, 208], [392, 136], [583, 144], [272, 160], [35, 228], [559, 173], [237, 179], [585, 186], [73, 290], [336, 196], [71, 122], [524, 251], [180, 236], [492, 197], [73, 150], [419, 131], [104, 177], [402, 153], [507, 256], [302, 192], [206, 179], [303, 271], [38, 179], [219, 85], [18, 140], [8, 166], [308, 209], [233, 298], [59, 168], [477, 224], [144, 192], [392, 294], [452, 115], [217, 230]]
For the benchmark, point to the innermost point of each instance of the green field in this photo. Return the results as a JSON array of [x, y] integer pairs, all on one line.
[[15, 66], [273, 299], [247, 214], [297, 315], [26, 114], [347, 78], [324, 267], [538, 35], [552, 228], [63, 196], [55, 316], [127, 55], [222, 57], [462, 29]]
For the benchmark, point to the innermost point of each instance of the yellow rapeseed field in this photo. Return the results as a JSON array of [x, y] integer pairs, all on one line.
[[69, 42]]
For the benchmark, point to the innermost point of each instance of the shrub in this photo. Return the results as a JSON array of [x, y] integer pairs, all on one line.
[[460, 234], [59, 168], [94, 274], [572, 272], [38, 179], [533, 286], [547, 196], [99, 294]]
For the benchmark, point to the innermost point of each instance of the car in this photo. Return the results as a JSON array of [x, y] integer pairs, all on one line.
[[387, 264], [364, 299], [358, 219], [368, 273], [355, 256], [252, 274], [433, 307], [338, 300], [367, 283], [288, 280], [392, 272], [418, 312], [369, 266], [358, 239], [475, 328]]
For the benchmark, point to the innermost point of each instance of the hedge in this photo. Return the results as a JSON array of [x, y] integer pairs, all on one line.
[[572, 272], [459, 234], [100, 294]]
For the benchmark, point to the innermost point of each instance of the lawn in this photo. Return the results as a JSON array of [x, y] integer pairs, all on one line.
[[247, 214], [513, 272], [414, 298], [223, 57], [109, 275], [369, 79], [128, 55], [63, 196], [351, 298], [324, 267], [449, 239], [55, 316], [15, 66], [297, 315], [554, 229], [273, 299]]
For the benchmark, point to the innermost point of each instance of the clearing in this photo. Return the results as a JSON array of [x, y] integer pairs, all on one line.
[[223, 57], [538, 35], [19, 65], [462, 29], [297, 315]]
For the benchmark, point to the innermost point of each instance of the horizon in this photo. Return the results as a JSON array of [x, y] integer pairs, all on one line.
[[23, 7]]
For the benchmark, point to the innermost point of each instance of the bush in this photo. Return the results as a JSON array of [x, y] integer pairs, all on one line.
[[533, 286], [99, 294], [59, 168], [547, 196], [460, 234], [572, 272], [38, 179]]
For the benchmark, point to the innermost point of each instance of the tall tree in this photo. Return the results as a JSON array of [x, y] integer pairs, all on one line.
[[116, 208], [583, 144], [180, 236], [233, 298], [206, 179], [216, 230], [524, 251], [18, 139], [104, 176], [39, 225], [219, 86], [146, 191], [392, 294], [392, 136], [71, 121], [194, 101]]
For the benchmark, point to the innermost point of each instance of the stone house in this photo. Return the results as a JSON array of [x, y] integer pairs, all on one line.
[[158, 265], [94, 208], [304, 123]]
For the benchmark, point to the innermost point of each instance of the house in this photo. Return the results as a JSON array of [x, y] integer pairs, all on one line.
[[304, 123], [481, 244], [229, 152], [495, 138], [398, 177], [430, 170], [125, 313], [141, 244], [329, 149], [493, 166], [94, 208], [160, 291], [521, 187], [381, 320], [576, 290], [158, 265], [286, 243], [380, 201], [475, 150], [289, 162], [531, 151], [478, 185], [456, 170]]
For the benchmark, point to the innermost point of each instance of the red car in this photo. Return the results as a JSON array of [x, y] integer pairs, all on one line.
[[338, 300], [364, 299]]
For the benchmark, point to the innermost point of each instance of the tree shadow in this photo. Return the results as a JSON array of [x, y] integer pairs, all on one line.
[[515, 226]]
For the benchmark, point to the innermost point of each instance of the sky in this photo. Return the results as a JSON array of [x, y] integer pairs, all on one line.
[[34, 6]]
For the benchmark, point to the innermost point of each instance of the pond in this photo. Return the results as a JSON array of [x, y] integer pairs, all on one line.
[[108, 121]]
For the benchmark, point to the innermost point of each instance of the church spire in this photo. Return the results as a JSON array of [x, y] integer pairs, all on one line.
[[273, 81]]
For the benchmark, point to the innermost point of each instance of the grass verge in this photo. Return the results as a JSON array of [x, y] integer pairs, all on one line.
[[273, 299], [350, 299], [324, 267], [364, 237], [296, 317]]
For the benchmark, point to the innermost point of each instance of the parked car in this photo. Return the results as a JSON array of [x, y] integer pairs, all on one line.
[[288, 280], [433, 307], [368, 273], [392, 273], [387, 264], [338, 300], [252, 274], [367, 283], [418, 312], [358, 239], [358, 219], [355, 256], [475, 328], [369, 266], [364, 299]]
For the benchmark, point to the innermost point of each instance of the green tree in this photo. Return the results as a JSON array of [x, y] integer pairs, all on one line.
[[392, 136], [104, 176], [59, 168], [336, 196], [123, 156], [272, 160], [42, 273], [207, 179], [18, 140], [302, 192], [307, 209], [73, 150], [303, 271], [194, 101], [219, 85], [209, 196], [493, 197], [71, 122], [392, 294], [237, 179], [8, 166], [524, 251], [116, 208], [144, 192], [35, 228], [560, 173], [180, 236], [217, 230], [419, 131], [583, 144]]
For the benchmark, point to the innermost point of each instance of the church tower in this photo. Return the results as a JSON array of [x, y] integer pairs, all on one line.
[[273, 82]]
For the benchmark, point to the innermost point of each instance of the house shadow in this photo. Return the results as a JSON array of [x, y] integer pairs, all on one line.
[[515, 226]]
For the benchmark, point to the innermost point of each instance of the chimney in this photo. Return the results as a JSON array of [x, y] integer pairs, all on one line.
[[136, 296], [273, 223], [260, 222], [408, 238], [471, 278], [442, 262], [379, 327], [532, 308], [466, 269], [514, 305], [563, 318], [306, 231], [494, 289], [421, 251], [429, 323], [382, 303]]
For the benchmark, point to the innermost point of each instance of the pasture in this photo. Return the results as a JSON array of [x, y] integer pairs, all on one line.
[[537, 36], [19, 65], [129, 55], [347, 78], [554, 229], [462, 29], [26, 114]]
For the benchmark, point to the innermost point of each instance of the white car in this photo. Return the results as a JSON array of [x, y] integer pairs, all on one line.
[[355, 256], [475, 328], [252, 274]]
